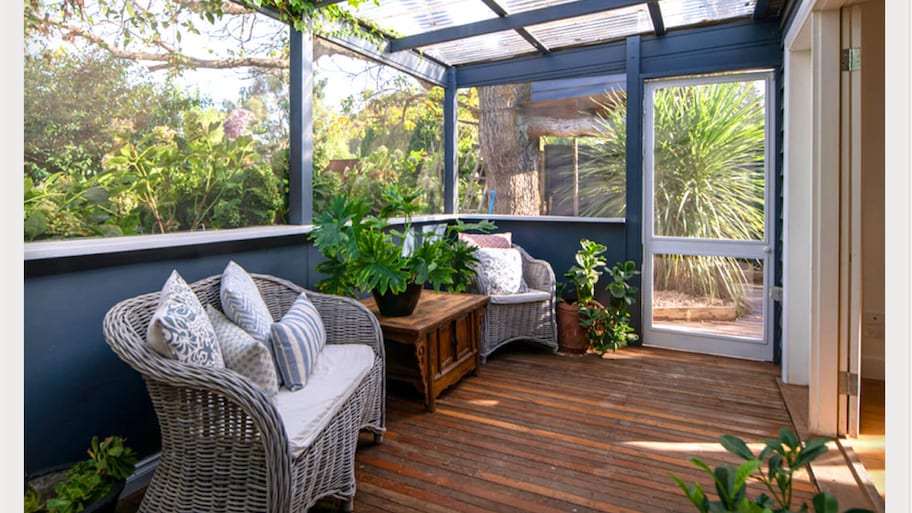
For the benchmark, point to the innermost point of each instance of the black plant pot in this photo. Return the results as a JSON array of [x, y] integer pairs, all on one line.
[[398, 305], [46, 480]]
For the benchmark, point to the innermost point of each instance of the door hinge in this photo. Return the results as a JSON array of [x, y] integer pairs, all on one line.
[[776, 293], [848, 384], [851, 59]]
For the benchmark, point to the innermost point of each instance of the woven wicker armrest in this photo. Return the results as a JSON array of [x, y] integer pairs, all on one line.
[[538, 273]]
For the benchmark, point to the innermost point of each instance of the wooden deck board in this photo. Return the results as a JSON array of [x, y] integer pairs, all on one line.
[[538, 432]]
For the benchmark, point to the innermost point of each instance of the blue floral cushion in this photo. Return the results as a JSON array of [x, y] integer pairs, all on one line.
[[243, 304], [297, 340], [243, 354], [180, 328]]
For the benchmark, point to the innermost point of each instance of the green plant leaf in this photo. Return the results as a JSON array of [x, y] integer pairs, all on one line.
[[736, 446], [825, 503]]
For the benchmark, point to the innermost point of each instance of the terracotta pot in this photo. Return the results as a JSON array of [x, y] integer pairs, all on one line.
[[570, 336], [398, 305]]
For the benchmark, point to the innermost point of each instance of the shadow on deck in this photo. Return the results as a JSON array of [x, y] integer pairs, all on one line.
[[540, 432]]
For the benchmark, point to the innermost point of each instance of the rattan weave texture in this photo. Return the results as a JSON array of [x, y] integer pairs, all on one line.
[[224, 447]]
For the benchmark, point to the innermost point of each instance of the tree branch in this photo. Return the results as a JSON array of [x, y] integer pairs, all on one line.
[[171, 57]]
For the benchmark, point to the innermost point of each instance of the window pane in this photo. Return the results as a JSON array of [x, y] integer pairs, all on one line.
[[709, 295], [157, 129], [709, 152], [549, 148], [374, 126]]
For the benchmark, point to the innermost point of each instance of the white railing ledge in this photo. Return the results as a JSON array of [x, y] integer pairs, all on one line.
[[100, 246], [544, 219]]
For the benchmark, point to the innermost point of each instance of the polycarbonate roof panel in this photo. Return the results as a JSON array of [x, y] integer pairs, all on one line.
[[679, 13], [480, 48], [410, 17], [515, 6], [594, 28], [414, 17]]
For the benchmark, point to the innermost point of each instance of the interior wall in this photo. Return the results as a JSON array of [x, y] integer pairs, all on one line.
[[872, 189], [796, 330]]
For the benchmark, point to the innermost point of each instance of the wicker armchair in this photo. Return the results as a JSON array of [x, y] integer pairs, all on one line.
[[224, 447], [529, 316]]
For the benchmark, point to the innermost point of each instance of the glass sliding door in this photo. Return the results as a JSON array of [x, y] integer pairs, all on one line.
[[707, 219]]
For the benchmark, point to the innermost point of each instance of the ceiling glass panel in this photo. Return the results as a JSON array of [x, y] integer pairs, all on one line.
[[515, 6], [678, 13], [410, 17], [480, 48], [594, 28]]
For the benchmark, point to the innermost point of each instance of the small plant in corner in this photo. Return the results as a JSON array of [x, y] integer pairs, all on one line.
[[110, 462], [783, 457], [606, 327]]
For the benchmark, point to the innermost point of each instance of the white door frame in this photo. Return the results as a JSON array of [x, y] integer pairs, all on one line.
[[756, 349]]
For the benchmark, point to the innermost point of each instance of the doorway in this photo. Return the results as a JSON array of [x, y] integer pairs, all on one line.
[[708, 240]]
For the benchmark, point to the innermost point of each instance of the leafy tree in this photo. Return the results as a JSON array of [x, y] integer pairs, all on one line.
[[75, 102], [207, 175]]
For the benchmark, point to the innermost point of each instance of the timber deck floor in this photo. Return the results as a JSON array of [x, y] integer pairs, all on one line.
[[541, 432]]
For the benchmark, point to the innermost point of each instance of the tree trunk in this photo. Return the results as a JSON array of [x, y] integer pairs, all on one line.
[[509, 155]]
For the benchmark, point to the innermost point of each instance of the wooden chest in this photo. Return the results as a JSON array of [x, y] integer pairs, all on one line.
[[435, 346]]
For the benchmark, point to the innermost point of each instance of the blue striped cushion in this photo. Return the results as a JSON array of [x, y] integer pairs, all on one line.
[[297, 340], [243, 304], [244, 355]]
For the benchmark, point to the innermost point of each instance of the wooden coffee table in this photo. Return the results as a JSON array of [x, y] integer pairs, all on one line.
[[435, 346]]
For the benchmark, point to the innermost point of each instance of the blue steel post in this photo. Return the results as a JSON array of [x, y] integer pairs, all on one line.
[[450, 137], [300, 145], [634, 210]]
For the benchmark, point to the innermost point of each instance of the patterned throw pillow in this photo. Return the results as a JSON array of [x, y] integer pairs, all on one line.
[[297, 340], [243, 354], [243, 304], [180, 328], [502, 240], [500, 271]]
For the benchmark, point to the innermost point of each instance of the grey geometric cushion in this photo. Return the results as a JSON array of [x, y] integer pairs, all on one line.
[[180, 328], [243, 304], [297, 340], [500, 271], [243, 354]]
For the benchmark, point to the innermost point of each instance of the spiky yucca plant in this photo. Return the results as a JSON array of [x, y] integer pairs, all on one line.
[[709, 177]]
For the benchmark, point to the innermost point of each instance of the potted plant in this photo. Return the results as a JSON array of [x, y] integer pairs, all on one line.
[[364, 253], [90, 486], [584, 323]]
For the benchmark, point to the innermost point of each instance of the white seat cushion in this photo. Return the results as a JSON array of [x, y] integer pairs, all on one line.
[[339, 370], [532, 296]]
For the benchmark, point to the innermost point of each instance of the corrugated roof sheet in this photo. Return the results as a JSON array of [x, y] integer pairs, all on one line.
[[416, 17]]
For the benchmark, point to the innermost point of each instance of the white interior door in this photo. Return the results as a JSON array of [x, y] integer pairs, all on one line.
[[850, 248], [708, 237]]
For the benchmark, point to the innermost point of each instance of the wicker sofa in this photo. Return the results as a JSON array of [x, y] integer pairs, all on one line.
[[526, 316], [225, 444]]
